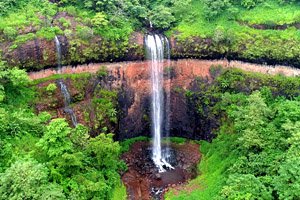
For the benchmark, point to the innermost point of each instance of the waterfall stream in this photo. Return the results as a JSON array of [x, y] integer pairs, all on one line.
[[63, 86], [155, 45]]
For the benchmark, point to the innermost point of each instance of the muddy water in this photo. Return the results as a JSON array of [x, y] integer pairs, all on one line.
[[144, 182]]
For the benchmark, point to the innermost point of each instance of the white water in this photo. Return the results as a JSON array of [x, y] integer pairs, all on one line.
[[155, 50], [63, 86], [168, 99], [58, 52]]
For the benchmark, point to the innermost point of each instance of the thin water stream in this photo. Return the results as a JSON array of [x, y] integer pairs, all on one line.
[[63, 86]]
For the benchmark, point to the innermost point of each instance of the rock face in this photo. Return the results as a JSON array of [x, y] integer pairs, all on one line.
[[131, 80], [40, 53]]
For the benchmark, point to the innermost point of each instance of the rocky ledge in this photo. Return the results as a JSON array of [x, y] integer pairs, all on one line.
[[131, 81]]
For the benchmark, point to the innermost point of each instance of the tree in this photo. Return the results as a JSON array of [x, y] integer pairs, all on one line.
[[104, 152], [56, 141], [213, 8], [251, 121], [27, 179], [161, 17], [287, 183], [246, 186]]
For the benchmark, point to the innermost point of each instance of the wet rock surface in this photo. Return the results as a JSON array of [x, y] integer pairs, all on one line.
[[143, 181]]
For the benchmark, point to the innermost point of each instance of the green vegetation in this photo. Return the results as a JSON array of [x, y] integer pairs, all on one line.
[[254, 117], [237, 31], [46, 159], [120, 193], [252, 155], [125, 145], [102, 30], [95, 30]]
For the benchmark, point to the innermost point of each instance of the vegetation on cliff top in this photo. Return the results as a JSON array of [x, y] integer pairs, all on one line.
[[260, 31]]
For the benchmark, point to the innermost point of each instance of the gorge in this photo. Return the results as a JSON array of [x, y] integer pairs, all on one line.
[[142, 100]]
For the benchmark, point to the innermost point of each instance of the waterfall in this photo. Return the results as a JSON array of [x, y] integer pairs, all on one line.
[[168, 99], [155, 51], [63, 86], [67, 102], [58, 53]]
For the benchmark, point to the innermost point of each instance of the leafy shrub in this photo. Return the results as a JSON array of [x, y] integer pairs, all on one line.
[[213, 8], [21, 39], [249, 3], [102, 72], [245, 187], [51, 88], [49, 33], [99, 20], [84, 32], [28, 179], [10, 32], [65, 23]]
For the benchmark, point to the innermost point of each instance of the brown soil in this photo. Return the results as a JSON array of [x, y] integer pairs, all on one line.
[[142, 180]]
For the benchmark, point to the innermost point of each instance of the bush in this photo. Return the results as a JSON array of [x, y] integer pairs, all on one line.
[[49, 33], [10, 33], [213, 8], [51, 88], [248, 3], [21, 39], [65, 23], [84, 32], [102, 72], [99, 20]]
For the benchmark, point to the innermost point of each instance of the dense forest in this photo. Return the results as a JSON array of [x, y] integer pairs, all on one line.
[[253, 119]]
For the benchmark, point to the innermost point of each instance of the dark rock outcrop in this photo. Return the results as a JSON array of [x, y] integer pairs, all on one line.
[[40, 53]]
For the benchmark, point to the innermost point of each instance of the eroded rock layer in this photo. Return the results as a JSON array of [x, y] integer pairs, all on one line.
[[131, 82]]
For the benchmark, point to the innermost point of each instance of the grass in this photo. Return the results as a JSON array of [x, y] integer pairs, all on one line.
[[126, 144], [61, 76], [119, 192], [271, 11], [225, 35], [267, 12], [217, 157]]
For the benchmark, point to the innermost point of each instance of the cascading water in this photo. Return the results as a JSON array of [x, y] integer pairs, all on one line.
[[155, 51], [168, 99], [63, 87], [58, 53]]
